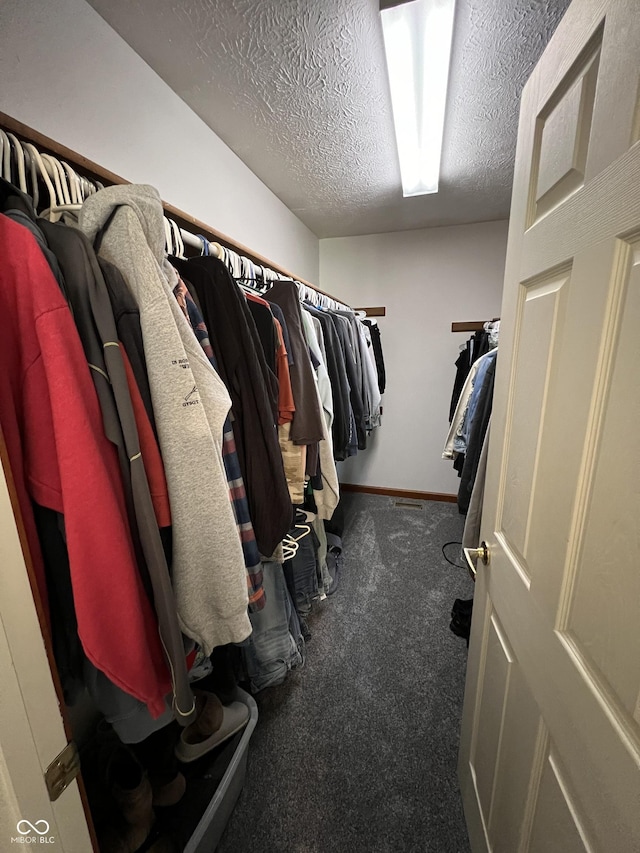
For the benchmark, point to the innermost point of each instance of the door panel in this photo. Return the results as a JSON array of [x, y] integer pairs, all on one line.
[[601, 611], [614, 114], [540, 302], [497, 672], [556, 809], [550, 744], [562, 136], [566, 445], [521, 730]]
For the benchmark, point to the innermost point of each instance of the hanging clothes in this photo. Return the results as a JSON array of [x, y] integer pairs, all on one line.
[[127, 319], [190, 404], [327, 496], [335, 364], [306, 427], [354, 378], [473, 521], [477, 428], [237, 491], [242, 365], [376, 343], [286, 403], [455, 443], [61, 459], [273, 648], [270, 330], [163, 421], [93, 318], [278, 313], [370, 375], [19, 207], [478, 345], [263, 318]]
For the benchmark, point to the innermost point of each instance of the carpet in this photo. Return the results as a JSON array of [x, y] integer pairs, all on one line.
[[356, 752]]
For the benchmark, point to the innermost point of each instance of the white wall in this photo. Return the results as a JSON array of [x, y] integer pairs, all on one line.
[[66, 73], [426, 279]]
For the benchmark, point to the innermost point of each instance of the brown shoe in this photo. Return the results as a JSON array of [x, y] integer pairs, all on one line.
[[169, 793], [198, 739], [131, 791], [209, 716]]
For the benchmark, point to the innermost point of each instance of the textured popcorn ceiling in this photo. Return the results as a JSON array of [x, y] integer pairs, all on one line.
[[298, 90]]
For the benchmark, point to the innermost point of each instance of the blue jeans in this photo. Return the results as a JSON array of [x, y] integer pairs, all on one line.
[[271, 651], [304, 567]]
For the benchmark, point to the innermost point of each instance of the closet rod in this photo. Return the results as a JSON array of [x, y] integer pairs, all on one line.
[[105, 176]]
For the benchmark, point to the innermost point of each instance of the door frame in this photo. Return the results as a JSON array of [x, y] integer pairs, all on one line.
[[34, 723]]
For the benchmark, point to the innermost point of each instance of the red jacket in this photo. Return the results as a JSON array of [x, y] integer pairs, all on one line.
[[61, 459]]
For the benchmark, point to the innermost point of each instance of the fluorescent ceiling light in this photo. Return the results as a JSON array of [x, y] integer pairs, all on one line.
[[417, 41]]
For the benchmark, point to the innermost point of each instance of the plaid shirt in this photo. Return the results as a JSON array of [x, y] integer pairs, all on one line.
[[237, 493]]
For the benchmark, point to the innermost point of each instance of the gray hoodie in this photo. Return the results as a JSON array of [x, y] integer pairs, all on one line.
[[190, 403]]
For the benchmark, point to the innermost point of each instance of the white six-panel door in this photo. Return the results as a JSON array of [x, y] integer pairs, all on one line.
[[550, 748]]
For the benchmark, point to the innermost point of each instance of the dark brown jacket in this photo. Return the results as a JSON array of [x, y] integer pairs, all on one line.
[[243, 369]]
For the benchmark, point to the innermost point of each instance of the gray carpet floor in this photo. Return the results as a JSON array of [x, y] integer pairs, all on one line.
[[356, 752]]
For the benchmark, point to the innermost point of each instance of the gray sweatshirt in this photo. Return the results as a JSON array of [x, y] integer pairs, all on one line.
[[190, 403]]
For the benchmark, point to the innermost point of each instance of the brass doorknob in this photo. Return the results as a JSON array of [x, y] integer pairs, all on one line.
[[482, 553]]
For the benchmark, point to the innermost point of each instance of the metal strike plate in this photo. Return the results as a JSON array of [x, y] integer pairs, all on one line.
[[62, 771]]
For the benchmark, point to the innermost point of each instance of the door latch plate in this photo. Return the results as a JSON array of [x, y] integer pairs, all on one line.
[[62, 771]]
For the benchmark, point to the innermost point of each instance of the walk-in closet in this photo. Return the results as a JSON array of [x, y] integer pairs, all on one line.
[[318, 506]]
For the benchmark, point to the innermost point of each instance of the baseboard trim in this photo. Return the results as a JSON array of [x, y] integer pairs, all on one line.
[[399, 493]]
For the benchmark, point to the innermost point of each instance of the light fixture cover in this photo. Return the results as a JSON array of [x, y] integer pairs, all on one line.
[[417, 40]]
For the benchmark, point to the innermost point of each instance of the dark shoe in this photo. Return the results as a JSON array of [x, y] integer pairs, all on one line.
[[461, 629], [334, 561], [462, 607], [169, 793], [131, 791]]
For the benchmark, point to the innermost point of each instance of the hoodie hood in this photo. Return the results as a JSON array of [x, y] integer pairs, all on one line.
[[144, 202]]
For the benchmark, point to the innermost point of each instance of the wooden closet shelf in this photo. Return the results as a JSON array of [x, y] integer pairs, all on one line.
[[98, 173], [373, 312], [472, 325]]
